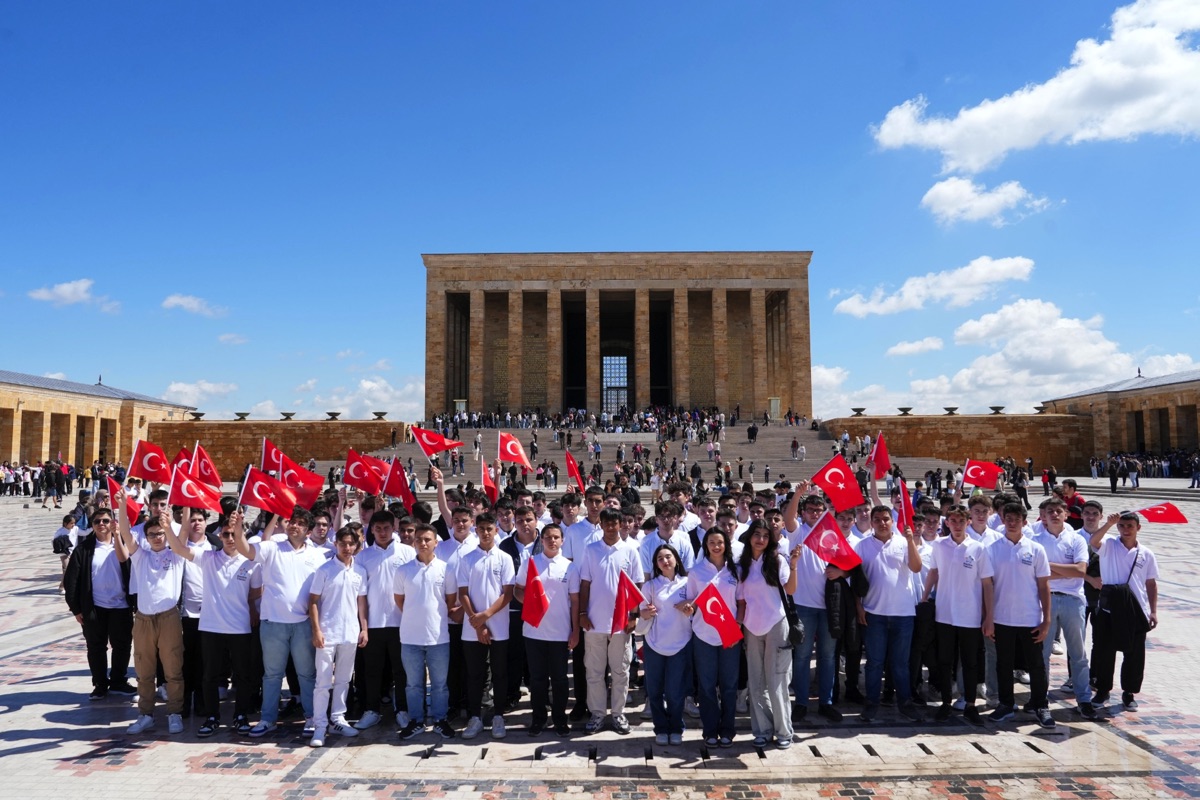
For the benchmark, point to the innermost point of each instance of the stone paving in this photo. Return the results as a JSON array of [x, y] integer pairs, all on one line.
[[54, 743]]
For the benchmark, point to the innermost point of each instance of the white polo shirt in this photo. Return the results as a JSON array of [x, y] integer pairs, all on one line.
[[1068, 547], [1117, 567], [1017, 567], [810, 570], [287, 575], [484, 574], [961, 569], [451, 550], [577, 536], [886, 567], [672, 629], [227, 582], [339, 586], [157, 580], [602, 565], [764, 607], [423, 587], [560, 579], [653, 539], [699, 578], [380, 564]]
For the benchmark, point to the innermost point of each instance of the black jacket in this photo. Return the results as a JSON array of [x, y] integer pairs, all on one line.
[[841, 608], [509, 546], [77, 582]]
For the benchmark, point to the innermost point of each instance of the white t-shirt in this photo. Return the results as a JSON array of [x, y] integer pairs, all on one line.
[[287, 575], [193, 580], [671, 629], [764, 607], [700, 576], [156, 579], [1116, 561], [577, 536], [810, 570], [653, 540], [381, 565], [108, 587], [339, 586], [425, 618], [602, 565], [484, 574], [961, 569], [1017, 567], [227, 583], [1068, 547], [560, 579], [890, 579]]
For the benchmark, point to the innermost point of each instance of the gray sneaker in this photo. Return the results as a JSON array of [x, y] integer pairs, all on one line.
[[620, 724], [473, 729]]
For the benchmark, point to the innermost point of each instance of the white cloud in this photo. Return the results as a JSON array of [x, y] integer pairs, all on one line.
[[1144, 79], [926, 345], [232, 338], [73, 293], [962, 200], [192, 305], [58, 376], [404, 402], [956, 287], [307, 386], [382, 365], [193, 394], [347, 353]]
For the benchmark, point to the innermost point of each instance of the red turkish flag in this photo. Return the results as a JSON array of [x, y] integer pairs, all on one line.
[[149, 463], [489, 485], [183, 460], [272, 457], [536, 604], [879, 455], [629, 597], [1163, 512], [432, 442], [203, 469], [364, 472], [983, 474], [511, 450], [262, 491], [907, 514], [191, 493], [573, 470], [716, 612], [305, 485], [837, 479], [133, 509], [396, 485], [827, 541]]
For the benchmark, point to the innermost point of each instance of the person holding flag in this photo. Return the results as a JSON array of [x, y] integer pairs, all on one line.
[[550, 622], [668, 653], [716, 636]]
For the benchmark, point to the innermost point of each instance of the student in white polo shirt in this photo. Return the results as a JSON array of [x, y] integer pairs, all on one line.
[[157, 580], [337, 613], [667, 514], [1022, 616], [426, 601]]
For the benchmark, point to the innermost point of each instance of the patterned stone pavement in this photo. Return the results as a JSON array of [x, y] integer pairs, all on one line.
[[53, 743]]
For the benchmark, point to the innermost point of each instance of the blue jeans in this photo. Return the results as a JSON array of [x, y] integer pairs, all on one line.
[[1066, 614], [279, 640], [816, 631], [667, 680], [436, 658], [717, 675], [888, 638]]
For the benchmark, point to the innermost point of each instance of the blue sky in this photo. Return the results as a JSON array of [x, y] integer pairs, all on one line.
[[225, 203]]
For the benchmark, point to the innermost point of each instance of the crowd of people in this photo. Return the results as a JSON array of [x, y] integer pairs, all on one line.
[[373, 612]]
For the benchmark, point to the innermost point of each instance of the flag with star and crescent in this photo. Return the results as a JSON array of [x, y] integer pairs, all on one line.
[[836, 479], [716, 613], [983, 474], [262, 491]]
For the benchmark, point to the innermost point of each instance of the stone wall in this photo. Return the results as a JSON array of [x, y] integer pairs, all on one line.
[[1153, 419], [235, 443], [1061, 440]]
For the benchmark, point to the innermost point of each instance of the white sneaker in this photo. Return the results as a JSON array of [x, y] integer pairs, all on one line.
[[318, 738], [174, 723], [162, 693], [369, 719], [676, 738], [960, 704], [660, 739], [342, 728], [1021, 676], [690, 708], [402, 719], [498, 731], [1057, 648], [743, 701], [473, 729], [142, 724]]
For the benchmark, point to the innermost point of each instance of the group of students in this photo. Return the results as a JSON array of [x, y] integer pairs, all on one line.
[[433, 613]]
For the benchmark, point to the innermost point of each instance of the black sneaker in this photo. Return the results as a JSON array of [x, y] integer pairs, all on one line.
[[889, 697], [444, 729], [536, 728], [799, 712], [869, 713], [943, 712], [620, 724], [1101, 699], [1129, 702], [413, 728], [123, 688], [208, 728], [97, 694], [1002, 713], [830, 713], [855, 696], [241, 725], [579, 713], [971, 715], [562, 729], [1087, 710], [1044, 719], [910, 712]]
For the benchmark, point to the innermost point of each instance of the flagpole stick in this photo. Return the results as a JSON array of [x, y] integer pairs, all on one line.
[[965, 481]]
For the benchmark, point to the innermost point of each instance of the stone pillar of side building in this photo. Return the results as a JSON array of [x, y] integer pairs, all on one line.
[[435, 352], [476, 353], [592, 316], [516, 348], [554, 351], [641, 348], [681, 380], [758, 349], [720, 350]]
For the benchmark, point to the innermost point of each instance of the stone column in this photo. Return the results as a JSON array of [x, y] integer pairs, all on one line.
[[720, 349], [435, 353], [641, 348], [799, 347], [10, 448], [592, 320], [758, 348], [681, 379], [554, 345], [516, 348], [475, 390]]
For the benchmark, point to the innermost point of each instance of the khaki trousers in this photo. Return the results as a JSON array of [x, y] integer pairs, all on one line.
[[158, 637]]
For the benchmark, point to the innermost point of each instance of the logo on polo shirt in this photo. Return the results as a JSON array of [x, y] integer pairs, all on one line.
[[969, 562], [1027, 558]]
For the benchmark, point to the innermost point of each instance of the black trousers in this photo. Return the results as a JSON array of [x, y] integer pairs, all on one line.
[[1010, 642], [579, 674], [547, 679], [193, 668], [1104, 658], [223, 653], [382, 665], [478, 658], [518, 671], [456, 680], [924, 649], [959, 646], [109, 627]]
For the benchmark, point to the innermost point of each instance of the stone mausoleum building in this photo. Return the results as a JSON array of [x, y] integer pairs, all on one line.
[[598, 331]]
